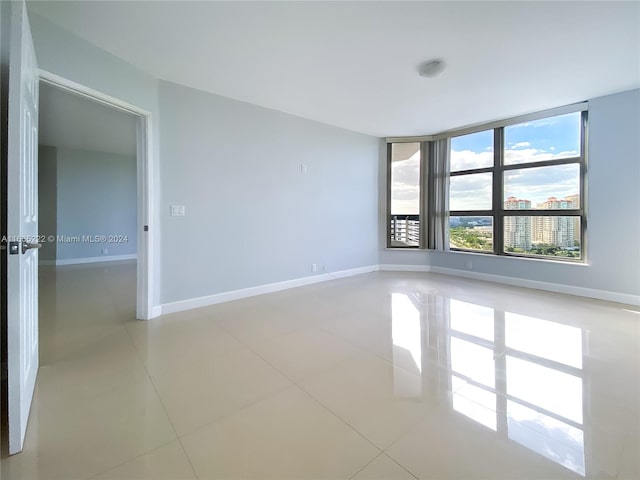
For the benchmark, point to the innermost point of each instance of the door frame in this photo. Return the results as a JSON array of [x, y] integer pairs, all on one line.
[[145, 160]]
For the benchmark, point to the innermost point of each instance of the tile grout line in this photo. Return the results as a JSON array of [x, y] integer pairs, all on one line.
[[311, 397], [398, 463], [366, 465], [130, 460], [223, 417], [164, 408]]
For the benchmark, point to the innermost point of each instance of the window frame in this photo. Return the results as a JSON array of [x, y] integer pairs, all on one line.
[[498, 170]]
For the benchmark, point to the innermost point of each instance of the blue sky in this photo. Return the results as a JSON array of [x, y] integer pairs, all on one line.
[[557, 134]]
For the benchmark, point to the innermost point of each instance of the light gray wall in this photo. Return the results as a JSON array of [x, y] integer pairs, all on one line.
[[252, 217], [96, 196], [613, 215], [47, 200]]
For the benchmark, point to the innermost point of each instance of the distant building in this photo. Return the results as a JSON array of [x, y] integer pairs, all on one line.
[[576, 220], [517, 230], [559, 231]]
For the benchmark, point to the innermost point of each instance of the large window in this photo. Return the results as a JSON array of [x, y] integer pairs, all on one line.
[[405, 195], [513, 188], [471, 217]]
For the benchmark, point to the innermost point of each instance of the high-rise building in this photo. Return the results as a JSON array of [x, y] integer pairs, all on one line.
[[576, 220], [555, 230], [517, 230]]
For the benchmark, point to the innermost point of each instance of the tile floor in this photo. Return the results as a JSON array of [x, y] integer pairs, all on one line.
[[380, 376]]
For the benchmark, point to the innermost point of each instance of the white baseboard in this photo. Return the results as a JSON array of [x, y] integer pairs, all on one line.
[[77, 261], [156, 311], [198, 302], [546, 286], [404, 268]]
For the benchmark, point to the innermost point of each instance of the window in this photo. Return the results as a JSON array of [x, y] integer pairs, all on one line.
[[543, 179], [513, 188], [471, 192], [405, 161]]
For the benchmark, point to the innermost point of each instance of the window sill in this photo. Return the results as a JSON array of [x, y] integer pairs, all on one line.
[[576, 263]]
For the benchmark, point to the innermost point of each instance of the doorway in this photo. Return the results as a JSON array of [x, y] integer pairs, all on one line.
[[87, 191], [143, 148]]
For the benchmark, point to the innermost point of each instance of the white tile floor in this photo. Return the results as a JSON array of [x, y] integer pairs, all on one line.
[[380, 376]]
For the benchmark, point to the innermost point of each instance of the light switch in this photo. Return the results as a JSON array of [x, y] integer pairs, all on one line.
[[177, 210]]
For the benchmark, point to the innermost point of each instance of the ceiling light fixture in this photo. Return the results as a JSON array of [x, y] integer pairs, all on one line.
[[431, 68]]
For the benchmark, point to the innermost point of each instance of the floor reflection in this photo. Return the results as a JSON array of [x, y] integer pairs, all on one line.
[[406, 334], [519, 376]]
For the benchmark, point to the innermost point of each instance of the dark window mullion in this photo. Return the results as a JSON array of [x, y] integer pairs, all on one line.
[[471, 213], [389, 212], [583, 184], [471, 172], [543, 163], [498, 195]]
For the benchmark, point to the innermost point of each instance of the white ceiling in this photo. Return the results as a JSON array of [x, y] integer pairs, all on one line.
[[70, 121], [354, 64]]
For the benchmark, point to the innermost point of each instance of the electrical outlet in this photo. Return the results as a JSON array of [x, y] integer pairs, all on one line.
[[314, 267], [469, 265], [105, 251]]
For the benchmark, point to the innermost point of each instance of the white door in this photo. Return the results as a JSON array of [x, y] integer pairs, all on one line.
[[22, 227]]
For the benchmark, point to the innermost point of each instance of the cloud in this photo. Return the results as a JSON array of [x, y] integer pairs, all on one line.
[[467, 159], [470, 192], [405, 190]]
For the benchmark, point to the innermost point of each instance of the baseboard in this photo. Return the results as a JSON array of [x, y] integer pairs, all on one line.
[[76, 261], [198, 302], [546, 286], [156, 311], [205, 301], [404, 268]]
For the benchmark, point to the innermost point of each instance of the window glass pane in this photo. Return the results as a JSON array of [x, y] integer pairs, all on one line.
[[544, 139], [471, 233], [548, 236], [472, 151], [470, 192], [405, 194], [542, 188]]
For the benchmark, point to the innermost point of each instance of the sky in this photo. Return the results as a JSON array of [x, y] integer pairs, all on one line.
[[549, 138]]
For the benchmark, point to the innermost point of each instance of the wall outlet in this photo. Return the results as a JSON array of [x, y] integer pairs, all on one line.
[[469, 265], [105, 251], [314, 267]]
